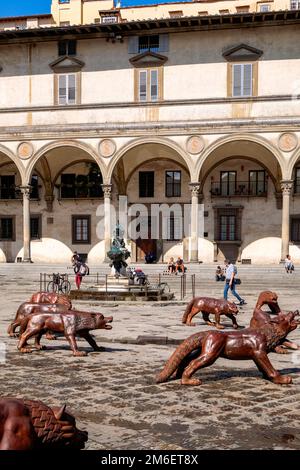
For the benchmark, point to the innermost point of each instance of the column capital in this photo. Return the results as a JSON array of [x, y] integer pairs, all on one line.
[[107, 190], [26, 190], [286, 186], [195, 189]]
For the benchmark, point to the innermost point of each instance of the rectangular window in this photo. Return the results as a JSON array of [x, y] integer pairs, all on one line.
[[146, 184], [295, 230], [224, 12], [297, 180], [35, 227], [7, 187], [64, 23], [7, 228], [176, 14], [149, 43], [67, 89], [242, 80], [174, 228], [67, 47], [244, 9], [295, 4], [67, 187], [257, 183], [173, 183], [81, 229], [143, 85], [264, 8], [227, 227], [34, 183], [228, 183], [148, 85]]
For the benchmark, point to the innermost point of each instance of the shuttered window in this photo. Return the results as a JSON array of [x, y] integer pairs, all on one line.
[[242, 80], [67, 89], [153, 43], [148, 85]]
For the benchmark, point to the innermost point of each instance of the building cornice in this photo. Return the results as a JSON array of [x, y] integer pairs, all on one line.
[[153, 26], [134, 129], [133, 104]]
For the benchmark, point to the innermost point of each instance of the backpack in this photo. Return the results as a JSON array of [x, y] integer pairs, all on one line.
[[83, 270]]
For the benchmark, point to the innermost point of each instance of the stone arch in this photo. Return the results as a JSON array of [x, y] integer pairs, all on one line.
[[236, 138], [65, 143], [9, 154], [291, 164], [150, 140]]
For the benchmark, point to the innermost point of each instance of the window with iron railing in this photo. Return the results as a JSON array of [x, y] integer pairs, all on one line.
[[149, 43], [229, 186], [81, 186]]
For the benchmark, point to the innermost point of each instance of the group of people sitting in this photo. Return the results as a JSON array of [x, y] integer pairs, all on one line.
[[176, 266]]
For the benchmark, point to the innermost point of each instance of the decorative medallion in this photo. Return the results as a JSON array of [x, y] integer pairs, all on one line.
[[107, 148], [195, 144], [287, 142], [25, 150]]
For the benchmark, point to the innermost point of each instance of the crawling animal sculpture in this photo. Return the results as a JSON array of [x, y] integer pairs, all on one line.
[[207, 306], [31, 425], [70, 323], [50, 298], [203, 349], [261, 317], [26, 309]]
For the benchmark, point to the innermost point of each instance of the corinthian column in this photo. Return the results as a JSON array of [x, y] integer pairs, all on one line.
[[107, 218], [195, 189], [26, 190], [286, 188]]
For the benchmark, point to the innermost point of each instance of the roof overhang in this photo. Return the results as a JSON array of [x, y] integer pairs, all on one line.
[[153, 26]]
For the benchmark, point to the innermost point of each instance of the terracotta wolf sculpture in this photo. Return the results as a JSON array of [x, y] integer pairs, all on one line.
[[203, 349], [30, 425], [26, 309], [69, 323], [208, 306], [50, 298], [260, 317]]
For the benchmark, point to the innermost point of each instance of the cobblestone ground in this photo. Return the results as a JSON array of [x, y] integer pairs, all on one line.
[[113, 393]]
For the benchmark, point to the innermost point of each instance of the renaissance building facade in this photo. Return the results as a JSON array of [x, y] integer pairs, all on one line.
[[99, 101]]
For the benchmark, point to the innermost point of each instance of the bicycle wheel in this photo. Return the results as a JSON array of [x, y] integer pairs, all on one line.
[[165, 288], [52, 287], [65, 287]]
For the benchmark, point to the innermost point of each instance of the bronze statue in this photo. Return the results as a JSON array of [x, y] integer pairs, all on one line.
[[70, 323], [208, 306], [32, 425], [203, 349], [26, 309], [50, 298], [261, 317]]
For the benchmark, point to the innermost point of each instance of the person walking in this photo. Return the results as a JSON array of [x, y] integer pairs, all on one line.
[[80, 269], [230, 281]]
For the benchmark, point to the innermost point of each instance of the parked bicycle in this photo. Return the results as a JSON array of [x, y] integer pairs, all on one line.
[[59, 283]]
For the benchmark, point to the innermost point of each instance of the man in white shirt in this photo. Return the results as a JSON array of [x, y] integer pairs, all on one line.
[[230, 273]]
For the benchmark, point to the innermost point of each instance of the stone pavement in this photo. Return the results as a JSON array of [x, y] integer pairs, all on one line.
[[113, 393]]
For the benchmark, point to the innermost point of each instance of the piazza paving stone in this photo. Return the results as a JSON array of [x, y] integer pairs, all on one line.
[[113, 394]]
